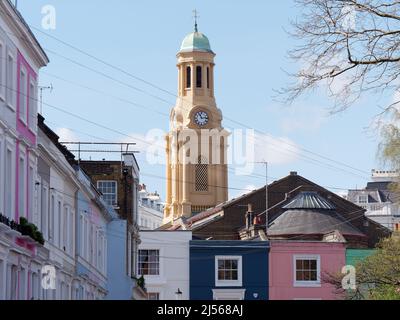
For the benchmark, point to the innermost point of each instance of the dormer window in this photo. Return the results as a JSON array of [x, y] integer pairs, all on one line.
[[199, 76], [363, 199], [188, 77]]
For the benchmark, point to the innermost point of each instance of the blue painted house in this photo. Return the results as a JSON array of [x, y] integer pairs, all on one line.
[[229, 270]]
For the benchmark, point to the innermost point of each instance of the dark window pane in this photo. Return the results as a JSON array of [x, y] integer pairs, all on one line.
[[306, 265], [299, 265], [313, 276], [208, 78], [313, 264], [234, 275], [221, 275], [234, 264], [299, 276], [188, 77], [198, 77]]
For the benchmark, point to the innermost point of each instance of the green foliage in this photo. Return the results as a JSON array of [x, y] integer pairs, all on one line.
[[140, 282], [380, 272], [29, 229], [389, 150]]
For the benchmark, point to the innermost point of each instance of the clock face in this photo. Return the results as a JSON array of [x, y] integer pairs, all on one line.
[[201, 118]]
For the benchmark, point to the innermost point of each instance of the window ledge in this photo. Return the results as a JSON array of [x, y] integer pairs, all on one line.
[[307, 284], [229, 284]]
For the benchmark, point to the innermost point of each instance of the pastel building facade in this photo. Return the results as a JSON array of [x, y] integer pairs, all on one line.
[[56, 189], [297, 269], [119, 284], [21, 58], [229, 270], [163, 261], [92, 221]]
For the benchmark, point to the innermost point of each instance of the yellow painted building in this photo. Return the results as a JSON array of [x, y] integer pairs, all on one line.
[[197, 176]]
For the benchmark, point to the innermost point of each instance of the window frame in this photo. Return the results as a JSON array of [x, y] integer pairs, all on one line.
[[199, 76], [305, 283], [3, 70], [104, 194], [22, 184], [188, 76], [364, 196], [32, 105], [23, 94], [158, 295], [139, 269], [229, 283], [11, 93]]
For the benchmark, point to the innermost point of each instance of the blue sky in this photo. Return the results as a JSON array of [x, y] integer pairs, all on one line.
[[249, 38]]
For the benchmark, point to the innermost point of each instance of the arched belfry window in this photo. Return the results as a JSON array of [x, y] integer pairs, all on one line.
[[188, 77], [199, 76], [201, 173], [208, 77]]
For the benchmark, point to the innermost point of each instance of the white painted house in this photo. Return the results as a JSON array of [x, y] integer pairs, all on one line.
[[163, 260], [151, 209]]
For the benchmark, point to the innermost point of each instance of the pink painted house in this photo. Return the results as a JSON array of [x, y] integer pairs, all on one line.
[[296, 269], [21, 58]]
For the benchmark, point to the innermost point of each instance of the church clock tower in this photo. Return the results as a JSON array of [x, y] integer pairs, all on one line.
[[197, 177]]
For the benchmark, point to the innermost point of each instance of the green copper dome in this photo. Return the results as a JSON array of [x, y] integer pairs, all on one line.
[[195, 41]]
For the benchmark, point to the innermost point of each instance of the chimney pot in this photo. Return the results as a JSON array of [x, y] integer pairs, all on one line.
[[293, 173]]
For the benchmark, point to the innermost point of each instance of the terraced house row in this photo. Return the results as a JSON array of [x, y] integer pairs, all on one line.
[[59, 238], [230, 252]]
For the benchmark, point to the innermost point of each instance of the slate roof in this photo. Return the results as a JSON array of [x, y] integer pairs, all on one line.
[[309, 200], [310, 214]]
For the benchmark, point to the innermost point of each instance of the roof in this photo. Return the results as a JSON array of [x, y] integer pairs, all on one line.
[[195, 41], [54, 138], [39, 49], [310, 213], [309, 200], [311, 222]]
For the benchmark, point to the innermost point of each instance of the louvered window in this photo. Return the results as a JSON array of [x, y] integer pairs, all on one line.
[[201, 175]]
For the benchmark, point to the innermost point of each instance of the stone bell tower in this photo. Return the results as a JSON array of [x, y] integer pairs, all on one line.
[[197, 176]]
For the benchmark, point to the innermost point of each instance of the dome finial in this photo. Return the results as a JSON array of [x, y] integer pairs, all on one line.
[[195, 16]]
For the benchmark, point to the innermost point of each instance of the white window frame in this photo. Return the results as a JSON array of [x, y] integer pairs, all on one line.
[[305, 284], [31, 174], [44, 209], [32, 105], [22, 183], [160, 265], [10, 170], [23, 89], [364, 196], [11, 93], [3, 70], [229, 283], [116, 189]]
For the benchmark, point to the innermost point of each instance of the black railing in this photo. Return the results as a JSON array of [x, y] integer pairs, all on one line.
[[10, 223]]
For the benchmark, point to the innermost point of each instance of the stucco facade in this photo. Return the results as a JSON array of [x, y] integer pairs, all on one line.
[[163, 260], [330, 258], [21, 57], [252, 270]]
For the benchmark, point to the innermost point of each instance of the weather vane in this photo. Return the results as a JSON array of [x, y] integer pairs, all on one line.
[[195, 16]]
